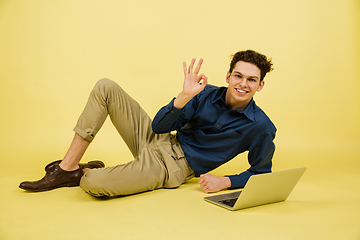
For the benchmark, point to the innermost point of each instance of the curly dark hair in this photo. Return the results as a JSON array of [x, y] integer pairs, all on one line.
[[250, 56]]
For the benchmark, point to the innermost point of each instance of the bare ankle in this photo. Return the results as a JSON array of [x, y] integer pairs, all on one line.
[[68, 167]]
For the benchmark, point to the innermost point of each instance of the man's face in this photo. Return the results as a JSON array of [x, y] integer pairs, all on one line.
[[244, 82]]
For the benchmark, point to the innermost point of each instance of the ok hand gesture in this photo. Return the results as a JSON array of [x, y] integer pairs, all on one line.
[[192, 84]]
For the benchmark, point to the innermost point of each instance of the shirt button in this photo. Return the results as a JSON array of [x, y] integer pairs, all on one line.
[[217, 125]]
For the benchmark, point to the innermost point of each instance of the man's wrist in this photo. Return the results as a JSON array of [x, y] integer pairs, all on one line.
[[181, 100], [227, 182]]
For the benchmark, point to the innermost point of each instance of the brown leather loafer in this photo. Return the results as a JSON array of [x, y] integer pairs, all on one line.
[[92, 164], [54, 179]]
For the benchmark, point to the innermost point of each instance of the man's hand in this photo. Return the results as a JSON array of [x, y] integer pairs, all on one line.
[[192, 84], [210, 183]]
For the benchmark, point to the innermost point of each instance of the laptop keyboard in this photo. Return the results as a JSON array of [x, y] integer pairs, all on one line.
[[230, 202]]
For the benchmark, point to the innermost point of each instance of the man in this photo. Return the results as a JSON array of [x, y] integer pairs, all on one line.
[[213, 124]]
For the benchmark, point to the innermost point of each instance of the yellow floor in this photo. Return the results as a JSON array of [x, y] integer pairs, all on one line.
[[324, 205], [53, 52]]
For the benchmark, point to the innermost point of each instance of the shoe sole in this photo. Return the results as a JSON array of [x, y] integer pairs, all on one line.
[[69, 184]]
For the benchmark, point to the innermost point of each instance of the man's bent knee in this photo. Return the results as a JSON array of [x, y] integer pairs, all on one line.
[[105, 82], [93, 185], [103, 182]]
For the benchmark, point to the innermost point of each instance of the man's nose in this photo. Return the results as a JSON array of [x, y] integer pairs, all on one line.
[[243, 82]]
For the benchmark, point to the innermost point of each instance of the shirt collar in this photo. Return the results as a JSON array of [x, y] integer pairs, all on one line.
[[249, 111]]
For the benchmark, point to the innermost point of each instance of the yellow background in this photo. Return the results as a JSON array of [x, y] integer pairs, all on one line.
[[52, 53]]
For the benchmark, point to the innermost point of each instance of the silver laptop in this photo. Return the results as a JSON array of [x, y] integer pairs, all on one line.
[[260, 189]]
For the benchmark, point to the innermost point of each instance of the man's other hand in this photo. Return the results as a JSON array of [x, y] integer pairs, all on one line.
[[210, 183]]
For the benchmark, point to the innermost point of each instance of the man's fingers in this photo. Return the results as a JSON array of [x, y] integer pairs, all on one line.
[[204, 187], [204, 82], [197, 69], [202, 77], [185, 68], [200, 180], [203, 182], [191, 65]]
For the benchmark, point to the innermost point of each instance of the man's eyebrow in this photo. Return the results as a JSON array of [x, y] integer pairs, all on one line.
[[247, 76]]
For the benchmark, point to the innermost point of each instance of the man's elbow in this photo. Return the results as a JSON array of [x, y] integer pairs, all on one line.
[[158, 128], [155, 128]]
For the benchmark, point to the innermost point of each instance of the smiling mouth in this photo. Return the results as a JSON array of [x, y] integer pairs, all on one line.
[[241, 91]]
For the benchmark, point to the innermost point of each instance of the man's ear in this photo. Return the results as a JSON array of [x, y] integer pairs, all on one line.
[[261, 85], [228, 77]]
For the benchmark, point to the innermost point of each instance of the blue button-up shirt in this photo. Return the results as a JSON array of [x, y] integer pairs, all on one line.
[[211, 134]]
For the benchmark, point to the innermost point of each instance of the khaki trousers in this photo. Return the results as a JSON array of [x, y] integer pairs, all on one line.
[[159, 161]]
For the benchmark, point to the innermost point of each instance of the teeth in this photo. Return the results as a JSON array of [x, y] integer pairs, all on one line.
[[241, 91]]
